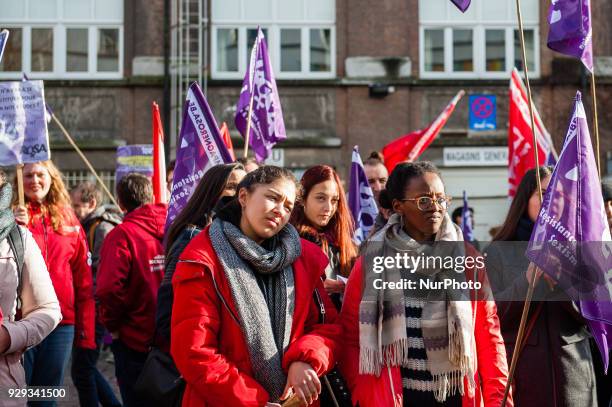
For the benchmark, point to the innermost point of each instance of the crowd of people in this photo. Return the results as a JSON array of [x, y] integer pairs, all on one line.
[[257, 293]]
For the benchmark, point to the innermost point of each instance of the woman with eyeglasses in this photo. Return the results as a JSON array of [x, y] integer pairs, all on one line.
[[419, 347], [322, 216]]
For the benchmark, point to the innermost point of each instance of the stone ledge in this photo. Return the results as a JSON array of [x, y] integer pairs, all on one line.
[[373, 67]]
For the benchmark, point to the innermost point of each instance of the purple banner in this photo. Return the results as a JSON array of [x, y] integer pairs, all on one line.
[[571, 239], [267, 125], [570, 31], [23, 129], [134, 158], [361, 199], [200, 147], [462, 4], [4, 35], [466, 220]]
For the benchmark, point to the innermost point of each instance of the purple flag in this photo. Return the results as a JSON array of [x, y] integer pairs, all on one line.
[[267, 126], [571, 240], [4, 35], [466, 220], [570, 30], [462, 4], [361, 199], [200, 147]]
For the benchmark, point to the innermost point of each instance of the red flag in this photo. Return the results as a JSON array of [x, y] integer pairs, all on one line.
[[410, 146], [159, 158], [225, 135], [520, 138]]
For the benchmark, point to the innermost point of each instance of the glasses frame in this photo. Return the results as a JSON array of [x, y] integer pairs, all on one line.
[[433, 201]]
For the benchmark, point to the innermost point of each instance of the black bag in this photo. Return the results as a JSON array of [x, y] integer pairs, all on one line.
[[334, 391], [160, 381]]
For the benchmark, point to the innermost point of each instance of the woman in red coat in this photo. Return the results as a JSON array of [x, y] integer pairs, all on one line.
[[405, 346], [245, 327], [58, 233]]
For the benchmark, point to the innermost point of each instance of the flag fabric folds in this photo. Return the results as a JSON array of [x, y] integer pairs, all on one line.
[[267, 125], [570, 31], [361, 199], [159, 157], [410, 146], [462, 4], [4, 35], [571, 239], [466, 221], [520, 139], [200, 147], [227, 140]]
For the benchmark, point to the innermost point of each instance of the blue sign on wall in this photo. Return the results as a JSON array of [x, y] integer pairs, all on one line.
[[483, 112]]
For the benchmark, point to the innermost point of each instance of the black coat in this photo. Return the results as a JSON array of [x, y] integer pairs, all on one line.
[[555, 368]]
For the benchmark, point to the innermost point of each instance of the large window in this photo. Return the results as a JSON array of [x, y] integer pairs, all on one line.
[[300, 35], [63, 39], [482, 43]]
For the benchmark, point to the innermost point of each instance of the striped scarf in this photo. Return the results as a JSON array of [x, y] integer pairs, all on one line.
[[446, 321]]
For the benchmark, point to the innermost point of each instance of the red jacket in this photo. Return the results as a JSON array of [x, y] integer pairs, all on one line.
[[68, 261], [129, 274], [371, 391], [207, 344]]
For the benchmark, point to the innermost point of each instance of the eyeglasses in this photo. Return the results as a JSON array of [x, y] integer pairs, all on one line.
[[425, 203]]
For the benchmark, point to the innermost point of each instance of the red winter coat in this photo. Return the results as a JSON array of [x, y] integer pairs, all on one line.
[[68, 261], [372, 391], [129, 274], [207, 344]]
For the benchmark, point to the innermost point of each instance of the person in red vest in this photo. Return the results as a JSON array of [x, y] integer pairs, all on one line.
[[60, 237], [245, 328], [129, 274]]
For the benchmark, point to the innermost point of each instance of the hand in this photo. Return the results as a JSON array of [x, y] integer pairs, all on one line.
[[115, 335], [21, 215], [5, 339], [303, 380], [333, 286], [534, 272]]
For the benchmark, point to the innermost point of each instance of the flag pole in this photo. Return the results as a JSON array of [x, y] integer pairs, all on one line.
[[252, 83], [85, 160], [595, 122], [534, 280], [248, 129], [20, 194]]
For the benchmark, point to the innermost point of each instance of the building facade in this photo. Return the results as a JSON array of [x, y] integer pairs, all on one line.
[[349, 72]]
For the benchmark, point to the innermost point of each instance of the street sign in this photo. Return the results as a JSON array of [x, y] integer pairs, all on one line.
[[483, 112]]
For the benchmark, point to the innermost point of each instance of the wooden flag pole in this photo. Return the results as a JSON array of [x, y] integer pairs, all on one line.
[[595, 122], [255, 50], [85, 160], [248, 129], [20, 193], [534, 280]]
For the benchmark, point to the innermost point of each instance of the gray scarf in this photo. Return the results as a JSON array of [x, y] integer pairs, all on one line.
[[263, 289], [446, 322], [7, 219]]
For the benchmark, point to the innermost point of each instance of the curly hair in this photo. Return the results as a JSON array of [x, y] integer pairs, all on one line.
[[57, 201]]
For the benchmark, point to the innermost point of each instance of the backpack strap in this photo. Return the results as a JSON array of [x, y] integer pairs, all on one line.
[[15, 240], [92, 233]]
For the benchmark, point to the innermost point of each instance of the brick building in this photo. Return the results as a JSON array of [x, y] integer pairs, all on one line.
[[349, 72]]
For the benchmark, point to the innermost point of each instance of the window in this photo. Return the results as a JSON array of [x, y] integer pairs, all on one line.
[[482, 43], [63, 39], [300, 36]]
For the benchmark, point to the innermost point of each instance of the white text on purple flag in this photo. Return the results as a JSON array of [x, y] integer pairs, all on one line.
[[204, 133]]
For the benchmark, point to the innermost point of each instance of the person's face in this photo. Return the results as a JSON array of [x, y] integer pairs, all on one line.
[[534, 204], [266, 210], [36, 182], [321, 203], [422, 225], [232, 182], [608, 207], [82, 209], [377, 178]]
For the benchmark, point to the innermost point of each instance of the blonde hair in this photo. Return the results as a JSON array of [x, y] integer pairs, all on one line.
[[57, 201]]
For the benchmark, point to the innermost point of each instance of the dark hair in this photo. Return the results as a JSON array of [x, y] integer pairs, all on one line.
[[247, 160], [264, 175], [170, 167], [199, 208], [375, 158], [459, 212], [88, 190], [134, 190], [519, 204], [340, 227], [400, 178], [606, 190]]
